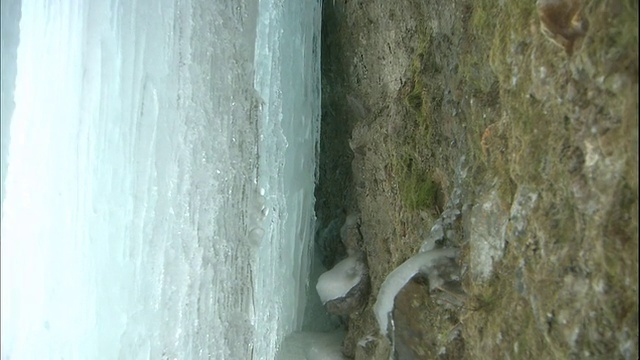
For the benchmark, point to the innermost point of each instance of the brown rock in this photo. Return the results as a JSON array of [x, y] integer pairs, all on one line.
[[562, 22]]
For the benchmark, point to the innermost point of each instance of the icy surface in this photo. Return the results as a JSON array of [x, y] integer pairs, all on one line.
[[337, 282], [10, 10], [424, 262], [312, 346], [159, 191]]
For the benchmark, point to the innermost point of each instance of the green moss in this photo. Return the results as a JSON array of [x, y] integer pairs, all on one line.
[[420, 98], [414, 99], [419, 192]]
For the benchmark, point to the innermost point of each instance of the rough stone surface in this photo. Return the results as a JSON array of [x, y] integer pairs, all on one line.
[[545, 207], [486, 228]]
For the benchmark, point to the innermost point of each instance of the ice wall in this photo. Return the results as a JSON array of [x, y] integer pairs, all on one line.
[[10, 35]]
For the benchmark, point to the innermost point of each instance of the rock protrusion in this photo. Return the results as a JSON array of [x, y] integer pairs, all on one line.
[[345, 288]]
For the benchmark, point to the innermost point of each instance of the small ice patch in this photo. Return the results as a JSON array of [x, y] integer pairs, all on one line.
[[337, 282]]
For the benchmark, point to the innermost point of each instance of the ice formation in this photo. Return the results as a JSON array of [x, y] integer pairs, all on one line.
[[312, 346], [429, 263], [337, 282]]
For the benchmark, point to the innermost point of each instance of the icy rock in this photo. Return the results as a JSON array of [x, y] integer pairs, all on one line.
[[438, 265], [435, 237], [345, 288]]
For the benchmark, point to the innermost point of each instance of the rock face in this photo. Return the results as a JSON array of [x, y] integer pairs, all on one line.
[[350, 234], [345, 288], [486, 228]]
